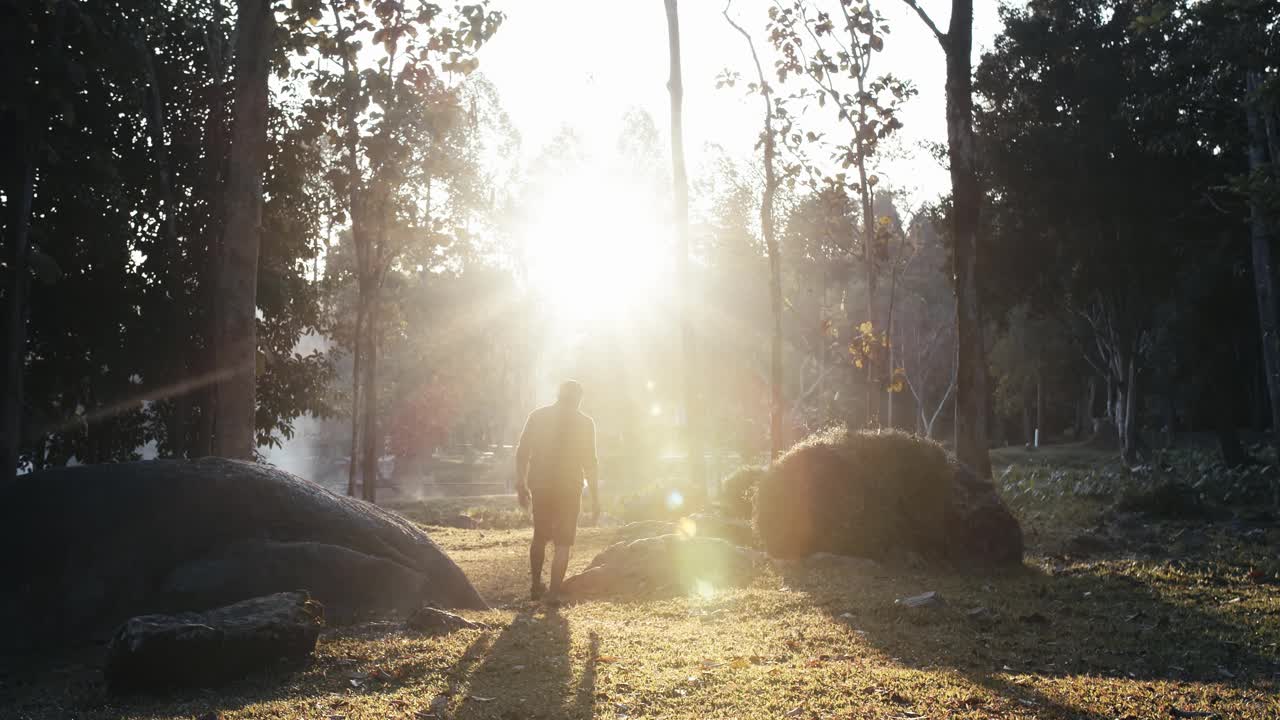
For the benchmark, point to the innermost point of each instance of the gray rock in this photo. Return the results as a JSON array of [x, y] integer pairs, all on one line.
[[105, 543], [158, 652], [662, 565], [434, 621], [930, 599], [347, 580]]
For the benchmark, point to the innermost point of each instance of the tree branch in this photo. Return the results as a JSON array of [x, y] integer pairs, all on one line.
[[924, 16]]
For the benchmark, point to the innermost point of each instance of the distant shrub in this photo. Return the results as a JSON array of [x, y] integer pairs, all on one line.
[[738, 491], [869, 494]]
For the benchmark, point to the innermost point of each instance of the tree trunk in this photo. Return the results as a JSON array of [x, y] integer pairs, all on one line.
[[972, 398], [1127, 412], [1026, 418], [1035, 438], [234, 424], [369, 395], [15, 316], [680, 190], [1260, 236], [1086, 415], [775, 261], [357, 352]]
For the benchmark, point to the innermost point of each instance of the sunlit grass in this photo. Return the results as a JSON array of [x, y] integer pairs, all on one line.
[[1122, 636]]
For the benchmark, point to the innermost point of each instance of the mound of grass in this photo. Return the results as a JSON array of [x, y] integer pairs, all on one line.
[[852, 493], [738, 491], [882, 495]]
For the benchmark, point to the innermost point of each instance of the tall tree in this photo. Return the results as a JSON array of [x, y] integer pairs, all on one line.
[[835, 55], [387, 119], [236, 347], [973, 398], [680, 193], [767, 140]]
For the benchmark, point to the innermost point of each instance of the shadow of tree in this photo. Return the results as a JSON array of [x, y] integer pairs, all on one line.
[[1112, 621]]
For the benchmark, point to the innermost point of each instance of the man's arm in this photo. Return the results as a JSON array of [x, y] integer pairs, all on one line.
[[591, 469], [522, 463]]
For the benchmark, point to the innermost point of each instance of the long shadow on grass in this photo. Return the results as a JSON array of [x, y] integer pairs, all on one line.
[[69, 683], [1084, 621], [528, 672]]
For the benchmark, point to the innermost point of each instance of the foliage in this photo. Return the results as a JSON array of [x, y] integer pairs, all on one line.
[[126, 211], [1171, 482]]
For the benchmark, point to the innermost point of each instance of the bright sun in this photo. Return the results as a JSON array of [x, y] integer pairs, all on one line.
[[596, 250]]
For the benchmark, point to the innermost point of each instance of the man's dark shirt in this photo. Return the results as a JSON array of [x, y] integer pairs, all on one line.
[[557, 449]]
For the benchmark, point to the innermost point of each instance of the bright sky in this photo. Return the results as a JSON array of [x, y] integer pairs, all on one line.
[[583, 63]]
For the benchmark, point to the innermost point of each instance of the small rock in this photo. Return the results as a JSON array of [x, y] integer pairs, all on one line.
[[981, 615], [1256, 535], [435, 621], [930, 599], [156, 652]]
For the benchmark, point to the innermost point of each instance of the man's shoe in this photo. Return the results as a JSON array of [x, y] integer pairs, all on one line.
[[552, 600], [535, 592]]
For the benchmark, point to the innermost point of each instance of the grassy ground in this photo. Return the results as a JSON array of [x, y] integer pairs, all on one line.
[[1170, 615]]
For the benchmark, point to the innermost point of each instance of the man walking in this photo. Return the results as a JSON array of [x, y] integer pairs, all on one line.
[[557, 450]]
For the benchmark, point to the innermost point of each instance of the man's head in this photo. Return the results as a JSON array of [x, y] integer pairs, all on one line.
[[570, 393]]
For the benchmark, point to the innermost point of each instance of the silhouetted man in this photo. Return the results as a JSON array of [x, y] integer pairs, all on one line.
[[557, 450]]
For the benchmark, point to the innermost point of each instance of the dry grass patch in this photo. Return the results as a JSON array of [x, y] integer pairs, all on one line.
[[1123, 636]]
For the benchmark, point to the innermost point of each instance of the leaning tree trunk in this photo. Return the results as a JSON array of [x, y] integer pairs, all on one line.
[[680, 190], [972, 398], [237, 336], [1260, 236]]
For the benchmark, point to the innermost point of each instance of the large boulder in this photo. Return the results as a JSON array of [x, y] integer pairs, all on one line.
[[663, 565], [884, 496], [92, 546], [158, 652]]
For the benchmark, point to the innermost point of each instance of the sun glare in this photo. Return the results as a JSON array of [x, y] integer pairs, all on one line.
[[593, 252]]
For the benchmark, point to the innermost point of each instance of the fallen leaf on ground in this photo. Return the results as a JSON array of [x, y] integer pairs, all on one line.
[[477, 698]]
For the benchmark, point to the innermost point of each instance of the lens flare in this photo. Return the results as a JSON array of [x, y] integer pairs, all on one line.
[[687, 527], [675, 500], [704, 589]]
